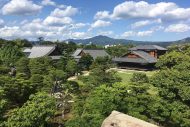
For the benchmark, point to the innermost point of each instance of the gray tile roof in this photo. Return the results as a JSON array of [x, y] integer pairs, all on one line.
[[147, 47], [93, 52], [39, 51], [77, 52], [144, 58], [96, 53]]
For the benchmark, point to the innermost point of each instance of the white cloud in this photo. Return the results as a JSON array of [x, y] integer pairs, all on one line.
[[144, 33], [102, 15], [166, 11], [128, 34], [178, 28], [48, 2], [100, 23], [21, 7], [79, 25], [67, 12], [79, 35], [24, 22], [56, 21], [138, 34], [1, 22], [145, 23], [106, 33]]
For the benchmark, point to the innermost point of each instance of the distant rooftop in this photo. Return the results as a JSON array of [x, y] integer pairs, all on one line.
[[148, 47], [40, 51], [93, 52]]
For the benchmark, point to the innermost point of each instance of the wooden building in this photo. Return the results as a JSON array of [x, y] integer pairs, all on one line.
[[142, 57]]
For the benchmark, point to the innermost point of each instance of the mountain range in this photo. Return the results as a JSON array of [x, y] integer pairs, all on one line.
[[104, 40]]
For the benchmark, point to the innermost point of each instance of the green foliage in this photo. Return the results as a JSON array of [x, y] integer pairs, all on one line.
[[16, 90], [10, 54], [139, 77], [118, 50], [37, 82], [72, 67], [171, 59], [40, 65], [3, 103], [54, 79], [22, 66], [104, 62], [34, 113], [103, 100], [85, 62]]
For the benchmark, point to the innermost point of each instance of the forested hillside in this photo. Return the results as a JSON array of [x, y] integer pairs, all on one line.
[[37, 92]]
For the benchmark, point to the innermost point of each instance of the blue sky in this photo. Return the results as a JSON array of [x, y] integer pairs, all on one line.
[[150, 20]]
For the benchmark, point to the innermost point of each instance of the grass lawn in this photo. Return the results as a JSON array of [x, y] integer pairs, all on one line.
[[126, 75]]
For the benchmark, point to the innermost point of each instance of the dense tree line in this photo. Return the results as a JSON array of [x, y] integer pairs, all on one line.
[[36, 92]]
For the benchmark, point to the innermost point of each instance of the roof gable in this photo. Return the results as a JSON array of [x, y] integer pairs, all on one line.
[[146, 56], [41, 51], [92, 52]]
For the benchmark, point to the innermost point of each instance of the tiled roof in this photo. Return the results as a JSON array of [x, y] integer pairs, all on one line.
[[144, 58], [93, 52], [96, 53], [148, 47], [40, 51]]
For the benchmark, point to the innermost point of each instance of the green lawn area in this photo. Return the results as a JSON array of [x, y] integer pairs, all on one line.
[[126, 75]]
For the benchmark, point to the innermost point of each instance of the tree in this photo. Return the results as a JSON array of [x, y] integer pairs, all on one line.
[[10, 54], [3, 103], [34, 113], [22, 66], [72, 67], [104, 62], [40, 65], [171, 59], [139, 78], [85, 62], [118, 50], [54, 80]]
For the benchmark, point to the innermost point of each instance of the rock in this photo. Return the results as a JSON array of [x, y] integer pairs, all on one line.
[[117, 119]]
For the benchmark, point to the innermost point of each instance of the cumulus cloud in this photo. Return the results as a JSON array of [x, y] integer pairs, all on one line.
[[79, 35], [138, 34], [100, 23], [56, 21], [102, 15], [79, 25], [178, 28], [128, 34], [145, 23], [144, 33], [67, 12], [166, 11], [48, 3], [1, 22], [21, 7], [106, 33]]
